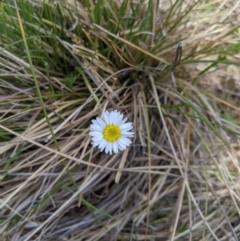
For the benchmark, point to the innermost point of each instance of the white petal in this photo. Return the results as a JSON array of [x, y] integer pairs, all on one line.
[[100, 122], [127, 133], [115, 147], [111, 148], [96, 127], [121, 146], [107, 148], [95, 122], [96, 143], [125, 141], [106, 117], [97, 138], [102, 145], [123, 121], [126, 126], [127, 129], [95, 133], [112, 117], [119, 119]]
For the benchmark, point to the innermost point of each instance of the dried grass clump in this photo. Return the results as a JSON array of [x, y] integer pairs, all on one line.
[[62, 64]]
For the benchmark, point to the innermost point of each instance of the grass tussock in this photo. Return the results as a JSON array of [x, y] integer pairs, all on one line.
[[172, 68]]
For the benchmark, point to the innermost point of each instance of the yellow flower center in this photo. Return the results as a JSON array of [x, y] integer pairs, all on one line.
[[111, 133]]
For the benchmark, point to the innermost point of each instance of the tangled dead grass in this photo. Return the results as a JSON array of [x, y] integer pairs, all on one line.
[[180, 178]]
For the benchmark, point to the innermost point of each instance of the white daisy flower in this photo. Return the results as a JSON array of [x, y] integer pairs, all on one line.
[[111, 132]]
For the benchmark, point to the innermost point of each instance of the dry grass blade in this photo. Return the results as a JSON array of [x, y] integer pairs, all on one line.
[[172, 68]]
